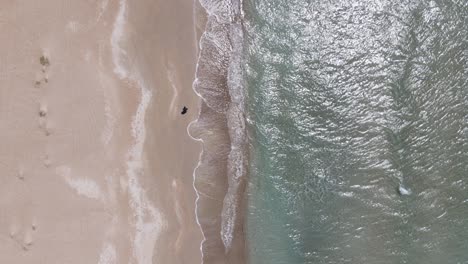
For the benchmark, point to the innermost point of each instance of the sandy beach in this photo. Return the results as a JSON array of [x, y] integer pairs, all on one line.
[[96, 165]]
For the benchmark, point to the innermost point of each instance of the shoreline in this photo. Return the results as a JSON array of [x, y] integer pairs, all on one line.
[[220, 176], [171, 154]]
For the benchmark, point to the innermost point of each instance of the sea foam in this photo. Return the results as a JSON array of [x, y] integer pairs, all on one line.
[[221, 126], [148, 219]]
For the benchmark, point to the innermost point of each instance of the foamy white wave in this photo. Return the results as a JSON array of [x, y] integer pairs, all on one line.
[[346, 194], [172, 81], [194, 174], [108, 255], [223, 38], [108, 131], [220, 9], [102, 8], [237, 134], [111, 113], [118, 54], [147, 218], [362, 187], [228, 221], [403, 190], [82, 186], [85, 187]]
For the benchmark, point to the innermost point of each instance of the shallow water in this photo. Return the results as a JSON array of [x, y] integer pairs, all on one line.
[[357, 115]]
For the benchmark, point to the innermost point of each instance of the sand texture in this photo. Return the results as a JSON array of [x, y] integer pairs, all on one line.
[[96, 165]]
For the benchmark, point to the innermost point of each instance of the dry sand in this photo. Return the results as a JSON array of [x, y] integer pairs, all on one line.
[[95, 161]]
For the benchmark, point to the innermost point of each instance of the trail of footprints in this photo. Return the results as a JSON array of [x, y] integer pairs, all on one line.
[[24, 236], [41, 82]]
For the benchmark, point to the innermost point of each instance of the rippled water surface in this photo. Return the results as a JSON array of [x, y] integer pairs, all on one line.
[[358, 114]]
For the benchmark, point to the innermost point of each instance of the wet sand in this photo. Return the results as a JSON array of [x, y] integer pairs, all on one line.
[[220, 177], [172, 154], [96, 164]]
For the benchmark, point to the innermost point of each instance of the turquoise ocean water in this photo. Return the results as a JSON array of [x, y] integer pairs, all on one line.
[[358, 126]]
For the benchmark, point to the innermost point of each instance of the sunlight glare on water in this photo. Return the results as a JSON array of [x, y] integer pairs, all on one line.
[[358, 114]]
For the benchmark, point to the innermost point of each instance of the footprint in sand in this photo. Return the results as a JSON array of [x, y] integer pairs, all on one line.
[[47, 161], [23, 236], [22, 223], [44, 61], [20, 173], [43, 76], [13, 230], [34, 224], [44, 123], [37, 81], [42, 109], [27, 240]]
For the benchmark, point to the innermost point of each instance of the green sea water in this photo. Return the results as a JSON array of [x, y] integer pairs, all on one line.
[[358, 122]]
